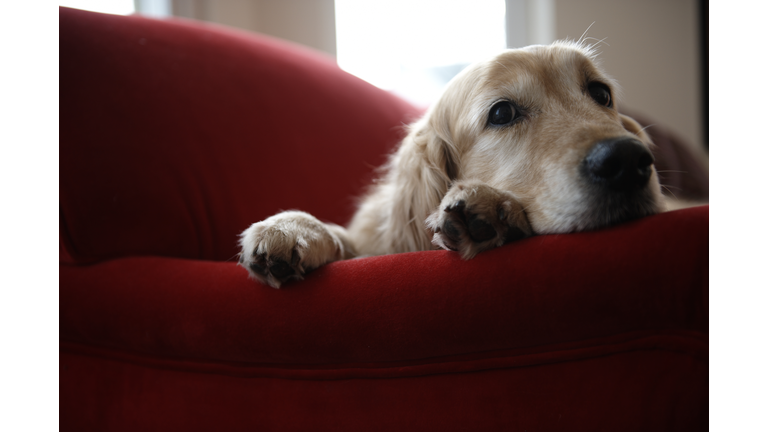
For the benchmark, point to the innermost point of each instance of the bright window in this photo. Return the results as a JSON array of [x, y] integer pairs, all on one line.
[[414, 47]]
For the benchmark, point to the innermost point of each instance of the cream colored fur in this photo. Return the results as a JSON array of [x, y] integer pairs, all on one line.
[[453, 169]]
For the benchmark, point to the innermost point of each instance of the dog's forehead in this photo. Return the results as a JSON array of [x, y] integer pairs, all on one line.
[[550, 67]]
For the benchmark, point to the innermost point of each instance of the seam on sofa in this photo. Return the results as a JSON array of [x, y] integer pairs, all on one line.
[[692, 345]]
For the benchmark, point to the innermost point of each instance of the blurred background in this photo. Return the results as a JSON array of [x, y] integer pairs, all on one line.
[[656, 49]]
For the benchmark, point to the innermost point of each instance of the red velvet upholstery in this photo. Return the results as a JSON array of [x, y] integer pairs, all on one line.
[[175, 136]]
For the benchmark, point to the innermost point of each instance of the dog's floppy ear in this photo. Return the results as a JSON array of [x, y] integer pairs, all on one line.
[[421, 172], [439, 152]]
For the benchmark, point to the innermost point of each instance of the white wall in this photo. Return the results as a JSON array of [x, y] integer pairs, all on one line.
[[307, 22], [653, 53]]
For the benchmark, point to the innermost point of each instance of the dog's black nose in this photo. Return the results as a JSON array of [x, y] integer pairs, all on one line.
[[622, 164]]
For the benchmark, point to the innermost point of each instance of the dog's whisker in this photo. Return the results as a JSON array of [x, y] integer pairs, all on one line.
[[667, 188], [583, 35], [671, 171], [646, 127], [662, 177], [674, 187], [598, 41]]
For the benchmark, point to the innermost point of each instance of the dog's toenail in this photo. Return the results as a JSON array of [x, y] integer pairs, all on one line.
[[457, 205], [280, 269]]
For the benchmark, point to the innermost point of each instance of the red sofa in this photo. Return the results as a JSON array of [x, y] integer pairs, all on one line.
[[175, 136]]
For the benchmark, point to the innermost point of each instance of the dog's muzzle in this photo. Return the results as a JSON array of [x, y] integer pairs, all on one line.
[[620, 165]]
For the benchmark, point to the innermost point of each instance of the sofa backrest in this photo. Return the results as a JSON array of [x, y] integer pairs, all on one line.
[[176, 135]]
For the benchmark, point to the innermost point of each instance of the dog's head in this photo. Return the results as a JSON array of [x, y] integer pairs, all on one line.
[[541, 122]]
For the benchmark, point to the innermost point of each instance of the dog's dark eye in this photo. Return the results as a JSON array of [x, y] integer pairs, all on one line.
[[600, 94], [502, 113]]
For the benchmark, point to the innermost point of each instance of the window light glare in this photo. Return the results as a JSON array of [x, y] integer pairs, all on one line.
[[403, 45]]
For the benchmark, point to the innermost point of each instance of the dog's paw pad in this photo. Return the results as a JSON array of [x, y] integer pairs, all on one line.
[[281, 270], [274, 270], [480, 230]]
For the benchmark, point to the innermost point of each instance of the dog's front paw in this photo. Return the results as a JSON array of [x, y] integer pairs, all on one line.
[[286, 246], [474, 217]]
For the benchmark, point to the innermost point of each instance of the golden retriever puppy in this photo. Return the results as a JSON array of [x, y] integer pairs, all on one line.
[[529, 142]]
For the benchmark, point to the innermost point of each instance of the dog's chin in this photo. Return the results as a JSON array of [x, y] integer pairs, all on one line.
[[598, 210], [613, 209]]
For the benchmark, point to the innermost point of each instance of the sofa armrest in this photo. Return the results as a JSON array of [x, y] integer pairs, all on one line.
[[642, 278]]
